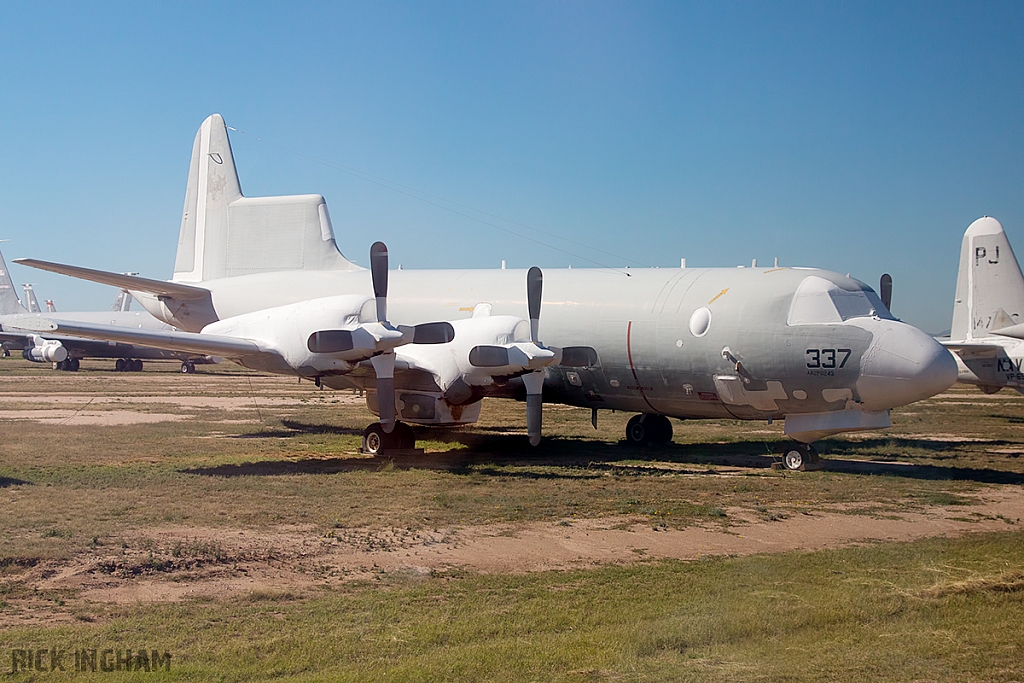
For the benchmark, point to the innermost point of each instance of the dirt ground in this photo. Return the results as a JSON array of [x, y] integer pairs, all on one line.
[[173, 563], [170, 562]]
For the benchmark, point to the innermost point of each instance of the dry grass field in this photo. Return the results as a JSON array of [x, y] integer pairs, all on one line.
[[228, 519]]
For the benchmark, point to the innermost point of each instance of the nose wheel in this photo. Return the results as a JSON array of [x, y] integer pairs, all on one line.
[[378, 442], [796, 457]]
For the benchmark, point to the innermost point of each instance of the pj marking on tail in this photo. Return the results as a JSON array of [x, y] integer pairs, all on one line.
[[988, 312]]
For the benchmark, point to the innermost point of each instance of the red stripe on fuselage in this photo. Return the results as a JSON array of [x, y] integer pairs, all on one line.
[[629, 355]]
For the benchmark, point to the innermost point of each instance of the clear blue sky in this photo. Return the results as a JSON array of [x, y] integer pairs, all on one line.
[[860, 137]]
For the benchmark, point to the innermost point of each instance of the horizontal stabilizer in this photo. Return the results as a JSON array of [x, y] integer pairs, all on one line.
[[172, 340], [973, 348], [129, 282], [1014, 331]]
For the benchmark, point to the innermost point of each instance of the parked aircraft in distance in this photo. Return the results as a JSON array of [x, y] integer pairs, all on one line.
[[261, 281], [988, 311], [66, 352]]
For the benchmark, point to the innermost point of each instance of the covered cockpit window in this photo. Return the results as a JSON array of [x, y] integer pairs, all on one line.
[[820, 301]]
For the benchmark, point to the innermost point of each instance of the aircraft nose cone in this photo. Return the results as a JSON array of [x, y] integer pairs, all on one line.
[[901, 366]]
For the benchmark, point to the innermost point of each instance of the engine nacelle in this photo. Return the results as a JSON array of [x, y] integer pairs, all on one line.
[[287, 328], [46, 351]]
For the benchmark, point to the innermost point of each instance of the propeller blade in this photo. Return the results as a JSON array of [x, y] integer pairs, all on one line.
[[885, 290], [384, 367], [485, 356], [330, 341], [578, 357], [379, 272], [433, 333], [534, 289], [534, 382]]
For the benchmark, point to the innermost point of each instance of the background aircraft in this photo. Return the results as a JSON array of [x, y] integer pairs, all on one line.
[[66, 352], [261, 281], [988, 311]]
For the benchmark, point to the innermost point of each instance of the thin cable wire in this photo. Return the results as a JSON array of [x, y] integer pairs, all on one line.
[[415, 194], [259, 413]]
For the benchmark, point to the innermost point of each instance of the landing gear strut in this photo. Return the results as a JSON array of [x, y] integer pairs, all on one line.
[[648, 428], [378, 442], [796, 457]]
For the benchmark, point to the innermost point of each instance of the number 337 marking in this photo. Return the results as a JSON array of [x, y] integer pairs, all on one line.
[[826, 358]]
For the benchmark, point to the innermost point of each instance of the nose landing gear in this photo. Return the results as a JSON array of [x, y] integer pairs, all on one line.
[[797, 456]]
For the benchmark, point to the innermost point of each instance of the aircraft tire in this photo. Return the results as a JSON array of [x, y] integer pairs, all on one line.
[[188, 368], [378, 442], [72, 364], [661, 429], [637, 432], [796, 457], [406, 436], [135, 365], [648, 428], [119, 366]]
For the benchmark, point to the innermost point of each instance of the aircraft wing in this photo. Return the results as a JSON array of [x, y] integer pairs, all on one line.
[[14, 337], [131, 282], [173, 340]]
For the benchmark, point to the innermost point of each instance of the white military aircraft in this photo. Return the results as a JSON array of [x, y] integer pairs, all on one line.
[[261, 281], [66, 352], [988, 312]]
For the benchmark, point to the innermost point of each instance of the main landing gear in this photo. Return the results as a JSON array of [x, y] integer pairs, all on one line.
[[128, 365], [188, 367], [378, 442], [648, 428], [68, 365], [797, 456]]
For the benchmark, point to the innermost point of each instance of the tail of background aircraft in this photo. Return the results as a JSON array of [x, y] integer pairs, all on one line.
[[9, 302], [989, 285], [224, 233], [31, 302]]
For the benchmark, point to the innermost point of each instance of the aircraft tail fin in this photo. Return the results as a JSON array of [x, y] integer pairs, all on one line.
[[224, 234], [31, 302], [989, 284], [9, 302]]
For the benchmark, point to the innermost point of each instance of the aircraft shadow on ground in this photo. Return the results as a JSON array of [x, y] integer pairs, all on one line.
[[493, 454], [1012, 419], [293, 428], [10, 481]]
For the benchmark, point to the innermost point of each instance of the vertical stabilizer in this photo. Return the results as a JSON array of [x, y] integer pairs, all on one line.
[[224, 234], [31, 302], [212, 186], [989, 284], [9, 302]]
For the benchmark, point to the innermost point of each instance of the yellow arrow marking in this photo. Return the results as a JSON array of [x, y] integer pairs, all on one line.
[[717, 296]]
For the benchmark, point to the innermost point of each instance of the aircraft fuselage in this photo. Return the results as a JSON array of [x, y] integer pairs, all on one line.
[[700, 343]]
